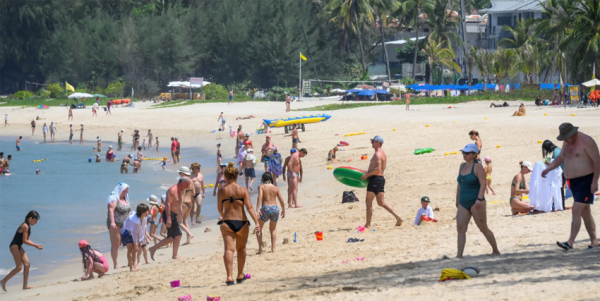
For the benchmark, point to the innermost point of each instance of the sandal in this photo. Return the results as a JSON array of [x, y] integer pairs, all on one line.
[[239, 281], [564, 245], [230, 283]]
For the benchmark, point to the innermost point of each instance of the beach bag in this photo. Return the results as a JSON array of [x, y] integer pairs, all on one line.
[[276, 161], [349, 197]]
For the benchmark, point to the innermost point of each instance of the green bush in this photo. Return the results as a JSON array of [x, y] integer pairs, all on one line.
[[215, 91], [56, 91], [115, 89], [43, 93], [23, 94]]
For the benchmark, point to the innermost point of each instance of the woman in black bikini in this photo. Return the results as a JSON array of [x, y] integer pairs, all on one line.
[[22, 237], [235, 225], [474, 135]]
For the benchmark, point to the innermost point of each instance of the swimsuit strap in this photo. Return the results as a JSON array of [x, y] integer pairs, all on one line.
[[231, 199]]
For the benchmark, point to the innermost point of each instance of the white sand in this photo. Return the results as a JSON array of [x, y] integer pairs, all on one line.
[[400, 263]]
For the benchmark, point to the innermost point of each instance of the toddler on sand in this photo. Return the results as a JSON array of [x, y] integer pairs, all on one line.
[[425, 213]]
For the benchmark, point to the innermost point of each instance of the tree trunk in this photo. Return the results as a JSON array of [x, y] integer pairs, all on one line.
[[553, 58], [387, 60], [362, 54], [414, 66], [430, 71]]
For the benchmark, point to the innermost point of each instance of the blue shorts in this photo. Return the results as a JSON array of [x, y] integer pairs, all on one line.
[[269, 213], [250, 172], [230, 98], [267, 161], [294, 140], [126, 238], [223, 120], [18, 148]]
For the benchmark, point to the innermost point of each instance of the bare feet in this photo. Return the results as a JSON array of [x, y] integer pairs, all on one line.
[[152, 253], [100, 275], [3, 284], [187, 242], [495, 253], [298, 206], [260, 251], [398, 222], [177, 257], [28, 287]]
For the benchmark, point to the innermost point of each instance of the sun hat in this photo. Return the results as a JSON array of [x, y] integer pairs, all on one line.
[[110, 146], [425, 199], [566, 131], [83, 243], [153, 200], [269, 137], [470, 148], [377, 139], [184, 170], [487, 159], [528, 165], [122, 130]]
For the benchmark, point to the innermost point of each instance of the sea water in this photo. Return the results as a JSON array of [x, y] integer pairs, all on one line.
[[70, 194]]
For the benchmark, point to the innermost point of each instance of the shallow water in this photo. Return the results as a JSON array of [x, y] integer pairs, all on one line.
[[70, 195]]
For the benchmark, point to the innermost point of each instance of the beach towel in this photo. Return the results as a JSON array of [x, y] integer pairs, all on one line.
[[114, 196], [453, 274], [276, 161], [545, 192]]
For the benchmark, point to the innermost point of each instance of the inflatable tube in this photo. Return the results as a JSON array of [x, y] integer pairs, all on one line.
[[350, 176], [40, 160], [420, 151], [274, 123], [344, 143]]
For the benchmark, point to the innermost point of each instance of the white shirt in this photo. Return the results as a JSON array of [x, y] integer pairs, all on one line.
[[45, 129], [545, 192], [428, 213], [95, 106], [136, 227]]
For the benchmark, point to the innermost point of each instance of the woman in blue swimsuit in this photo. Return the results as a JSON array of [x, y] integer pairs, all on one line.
[[470, 199]]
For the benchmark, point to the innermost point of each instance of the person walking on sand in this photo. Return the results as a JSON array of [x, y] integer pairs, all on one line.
[[150, 137], [133, 232], [288, 101], [581, 167], [118, 211], [294, 174], [230, 97], [266, 151], [219, 156], [470, 200], [239, 139], [267, 210], [81, 135], [516, 192], [70, 118], [249, 172], [376, 186], [153, 220], [170, 217], [108, 105], [32, 127], [186, 208], [52, 131], [22, 236], [474, 135], [488, 176], [407, 101], [222, 118], [220, 181], [234, 223], [93, 261], [120, 140], [199, 192], [295, 137], [6, 120], [45, 131]]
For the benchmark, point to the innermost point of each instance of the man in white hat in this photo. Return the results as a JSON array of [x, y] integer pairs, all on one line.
[[249, 172], [581, 167], [376, 186], [186, 203]]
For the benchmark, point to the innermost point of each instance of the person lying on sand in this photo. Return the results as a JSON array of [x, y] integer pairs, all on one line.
[[247, 117], [516, 192], [521, 111]]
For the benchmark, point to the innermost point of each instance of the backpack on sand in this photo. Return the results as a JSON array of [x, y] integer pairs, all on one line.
[[349, 197]]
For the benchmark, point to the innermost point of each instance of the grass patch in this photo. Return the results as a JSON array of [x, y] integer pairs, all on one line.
[[52, 102], [488, 96], [180, 103]]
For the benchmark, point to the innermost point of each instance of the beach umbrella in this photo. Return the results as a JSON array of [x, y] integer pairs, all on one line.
[[353, 90], [381, 91], [99, 95], [366, 93], [44, 107], [364, 87], [80, 95], [592, 83]]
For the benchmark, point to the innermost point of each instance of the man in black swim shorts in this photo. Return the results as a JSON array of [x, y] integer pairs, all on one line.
[[581, 160], [376, 186]]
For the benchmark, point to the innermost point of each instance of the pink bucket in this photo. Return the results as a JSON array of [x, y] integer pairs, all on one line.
[[175, 283]]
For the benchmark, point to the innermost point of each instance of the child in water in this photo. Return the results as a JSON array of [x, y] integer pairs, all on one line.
[[488, 176], [425, 213], [164, 162], [93, 261], [21, 237], [98, 159], [157, 144], [144, 144]]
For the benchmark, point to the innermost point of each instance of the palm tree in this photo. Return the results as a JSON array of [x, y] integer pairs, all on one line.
[[412, 9], [521, 34], [553, 27], [348, 14], [384, 7], [439, 54], [484, 60], [470, 62], [441, 23], [584, 36], [505, 63]]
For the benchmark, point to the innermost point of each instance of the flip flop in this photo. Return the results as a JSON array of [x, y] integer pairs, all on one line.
[[564, 245], [230, 283], [592, 247], [240, 281]]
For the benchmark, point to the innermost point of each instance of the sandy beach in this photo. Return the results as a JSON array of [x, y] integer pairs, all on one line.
[[399, 262]]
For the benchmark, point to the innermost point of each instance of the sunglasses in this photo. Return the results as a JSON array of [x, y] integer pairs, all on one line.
[[469, 153]]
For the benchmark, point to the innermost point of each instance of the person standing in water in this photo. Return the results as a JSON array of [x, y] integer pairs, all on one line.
[[170, 217], [32, 127], [150, 137], [81, 135], [376, 186], [267, 210], [470, 199], [199, 193], [22, 236], [157, 144], [18, 143], [70, 134], [581, 160], [120, 140]]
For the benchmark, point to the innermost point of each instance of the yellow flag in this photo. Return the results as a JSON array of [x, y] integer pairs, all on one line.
[[302, 57], [69, 87]]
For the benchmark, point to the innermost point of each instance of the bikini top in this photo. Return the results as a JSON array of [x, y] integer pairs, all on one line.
[[231, 199]]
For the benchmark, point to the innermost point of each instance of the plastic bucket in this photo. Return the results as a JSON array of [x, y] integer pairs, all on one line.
[[175, 283], [319, 235]]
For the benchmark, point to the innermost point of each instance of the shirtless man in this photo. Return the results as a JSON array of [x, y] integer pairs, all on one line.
[[19, 143], [150, 136], [230, 97], [120, 140], [70, 114], [294, 174], [52, 131], [239, 140], [71, 134], [581, 167], [170, 217], [81, 134], [222, 118], [288, 101], [266, 151], [199, 193], [377, 182], [186, 207], [295, 138]]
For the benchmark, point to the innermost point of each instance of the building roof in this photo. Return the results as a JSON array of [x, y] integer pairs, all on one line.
[[400, 42], [507, 6]]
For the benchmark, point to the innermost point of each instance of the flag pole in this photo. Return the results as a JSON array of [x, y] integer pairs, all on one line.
[[300, 76]]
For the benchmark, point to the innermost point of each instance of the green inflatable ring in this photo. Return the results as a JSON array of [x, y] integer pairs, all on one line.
[[350, 176]]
